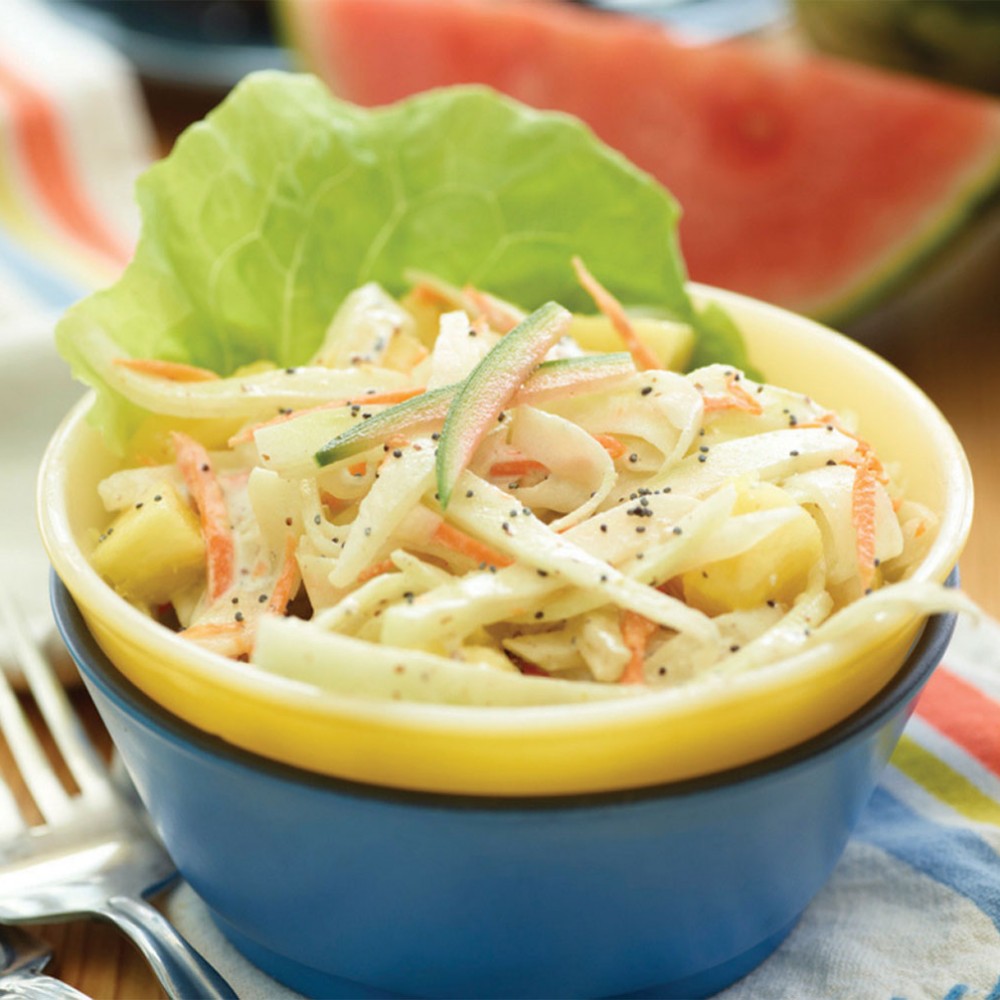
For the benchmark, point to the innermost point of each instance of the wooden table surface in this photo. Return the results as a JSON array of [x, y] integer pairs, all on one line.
[[951, 348]]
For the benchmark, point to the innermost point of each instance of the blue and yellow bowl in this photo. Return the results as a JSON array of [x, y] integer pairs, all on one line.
[[342, 889], [663, 844], [673, 734]]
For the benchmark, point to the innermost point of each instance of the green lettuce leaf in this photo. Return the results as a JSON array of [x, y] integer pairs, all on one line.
[[719, 339], [284, 199]]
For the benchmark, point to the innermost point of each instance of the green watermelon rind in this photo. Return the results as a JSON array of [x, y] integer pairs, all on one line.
[[292, 32], [977, 197], [955, 42]]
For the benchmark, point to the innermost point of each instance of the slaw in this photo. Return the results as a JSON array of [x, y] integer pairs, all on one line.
[[413, 515]]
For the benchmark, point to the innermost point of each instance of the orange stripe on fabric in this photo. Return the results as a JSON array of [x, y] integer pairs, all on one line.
[[960, 711], [42, 145], [64, 257]]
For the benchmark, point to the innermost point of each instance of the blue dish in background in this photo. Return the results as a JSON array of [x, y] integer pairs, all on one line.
[[204, 44], [341, 889], [212, 44]]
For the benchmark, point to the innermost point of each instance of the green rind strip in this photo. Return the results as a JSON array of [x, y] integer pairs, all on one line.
[[490, 385], [558, 366], [433, 404], [430, 405]]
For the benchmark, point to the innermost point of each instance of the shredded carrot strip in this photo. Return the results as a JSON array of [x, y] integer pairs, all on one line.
[[288, 580], [376, 569], [395, 396], [611, 445], [203, 485], [333, 503], [612, 308], [866, 453], [458, 541], [425, 292], [247, 433], [500, 316], [863, 518], [636, 632], [420, 352], [735, 398], [867, 458], [174, 371], [674, 587], [204, 629], [515, 467], [231, 639], [358, 468]]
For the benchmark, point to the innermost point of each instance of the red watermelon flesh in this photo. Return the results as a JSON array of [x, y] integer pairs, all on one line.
[[805, 181]]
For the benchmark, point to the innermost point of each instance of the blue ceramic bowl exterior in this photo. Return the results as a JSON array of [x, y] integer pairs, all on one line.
[[345, 890]]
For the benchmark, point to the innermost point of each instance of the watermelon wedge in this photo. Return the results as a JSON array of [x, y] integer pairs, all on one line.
[[806, 181]]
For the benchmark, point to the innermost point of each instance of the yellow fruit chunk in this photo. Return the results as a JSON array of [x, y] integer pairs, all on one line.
[[404, 353], [151, 444], [672, 343], [775, 569], [154, 549], [426, 310]]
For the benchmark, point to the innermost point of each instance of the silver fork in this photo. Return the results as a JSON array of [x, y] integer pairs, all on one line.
[[94, 853], [23, 956]]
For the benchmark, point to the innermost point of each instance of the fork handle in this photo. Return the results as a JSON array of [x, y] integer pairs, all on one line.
[[27, 985], [182, 972]]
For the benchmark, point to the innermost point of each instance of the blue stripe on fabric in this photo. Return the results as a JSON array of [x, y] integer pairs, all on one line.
[[954, 857], [47, 288], [956, 992]]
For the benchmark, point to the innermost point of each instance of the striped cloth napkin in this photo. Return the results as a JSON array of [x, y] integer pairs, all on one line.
[[913, 909], [74, 133], [73, 136]]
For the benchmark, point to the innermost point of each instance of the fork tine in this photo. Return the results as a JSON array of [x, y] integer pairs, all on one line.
[[76, 748], [11, 822], [48, 793]]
